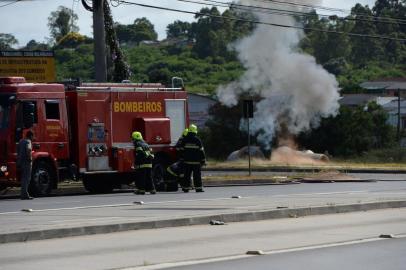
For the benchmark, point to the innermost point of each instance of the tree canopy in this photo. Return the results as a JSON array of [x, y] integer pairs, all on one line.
[[61, 22], [142, 29], [7, 41]]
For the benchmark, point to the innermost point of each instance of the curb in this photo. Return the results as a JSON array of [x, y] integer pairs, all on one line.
[[200, 220]]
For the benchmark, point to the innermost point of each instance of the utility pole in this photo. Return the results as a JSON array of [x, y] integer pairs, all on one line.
[[100, 65], [398, 128], [248, 113]]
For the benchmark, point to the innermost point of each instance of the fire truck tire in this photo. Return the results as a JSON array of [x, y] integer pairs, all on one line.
[[158, 176], [95, 185], [42, 179]]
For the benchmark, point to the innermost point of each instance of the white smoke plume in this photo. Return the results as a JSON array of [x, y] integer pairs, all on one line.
[[295, 91]]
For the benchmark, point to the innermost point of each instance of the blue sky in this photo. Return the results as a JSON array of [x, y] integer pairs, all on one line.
[[27, 20]]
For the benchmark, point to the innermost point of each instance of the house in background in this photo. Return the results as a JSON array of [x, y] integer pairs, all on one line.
[[391, 88], [386, 86], [199, 106], [355, 100]]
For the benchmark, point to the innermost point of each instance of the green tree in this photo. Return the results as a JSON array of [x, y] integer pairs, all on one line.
[[351, 132], [142, 29], [7, 41], [76, 63], [61, 22], [178, 29], [365, 49], [205, 30], [33, 45], [72, 40], [214, 32], [124, 32]]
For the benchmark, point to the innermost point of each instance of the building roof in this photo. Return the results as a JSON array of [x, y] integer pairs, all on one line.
[[356, 99], [205, 96], [385, 84]]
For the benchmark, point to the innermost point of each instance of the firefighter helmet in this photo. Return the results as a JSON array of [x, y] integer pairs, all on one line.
[[185, 132], [136, 135], [193, 128]]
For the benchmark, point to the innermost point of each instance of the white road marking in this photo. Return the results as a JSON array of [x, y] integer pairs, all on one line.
[[322, 193], [119, 205], [234, 257], [180, 201]]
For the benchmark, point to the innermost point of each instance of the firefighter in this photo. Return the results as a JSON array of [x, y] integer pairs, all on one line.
[[175, 172], [179, 147], [24, 163], [194, 158], [143, 165]]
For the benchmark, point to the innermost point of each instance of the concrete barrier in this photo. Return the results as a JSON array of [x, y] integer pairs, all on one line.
[[197, 220]]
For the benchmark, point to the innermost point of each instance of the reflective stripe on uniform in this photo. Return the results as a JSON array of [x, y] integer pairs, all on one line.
[[146, 166], [143, 166], [191, 146], [171, 172], [192, 162], [139, 149]]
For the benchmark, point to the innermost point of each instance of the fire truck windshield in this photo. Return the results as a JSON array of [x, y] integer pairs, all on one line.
[[4, 111]]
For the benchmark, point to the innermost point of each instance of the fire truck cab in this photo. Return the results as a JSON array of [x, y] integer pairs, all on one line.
[[85, 131]]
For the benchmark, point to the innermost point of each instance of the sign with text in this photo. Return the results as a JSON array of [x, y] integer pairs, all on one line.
[[34, 66]]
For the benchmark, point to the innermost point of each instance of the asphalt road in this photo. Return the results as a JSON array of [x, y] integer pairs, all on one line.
[[376, 255], [175, 247], [294, 190]]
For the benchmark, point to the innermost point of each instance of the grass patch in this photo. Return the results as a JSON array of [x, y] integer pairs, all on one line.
[[375, 161], [269, 178]]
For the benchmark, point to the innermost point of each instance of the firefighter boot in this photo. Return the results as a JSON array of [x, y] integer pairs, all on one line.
[[152, 192], [199, 189]]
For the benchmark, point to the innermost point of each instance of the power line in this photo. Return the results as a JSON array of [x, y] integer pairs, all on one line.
[[14, 2], [329, 9], [265, 23], [287, 3], [284, 12]]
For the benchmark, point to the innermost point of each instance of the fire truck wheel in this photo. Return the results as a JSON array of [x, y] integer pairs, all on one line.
[[158, 174], [42, 179]]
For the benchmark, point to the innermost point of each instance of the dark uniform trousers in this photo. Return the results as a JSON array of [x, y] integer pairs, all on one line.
[[25, 174], [144, 179], [197, 176]]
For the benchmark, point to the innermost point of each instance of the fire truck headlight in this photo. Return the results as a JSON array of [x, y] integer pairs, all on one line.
[[3, 168]]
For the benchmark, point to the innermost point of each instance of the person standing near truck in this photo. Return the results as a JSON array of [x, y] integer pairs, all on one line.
[[143, 158], [179, 146], [24, 163], [194, 158]]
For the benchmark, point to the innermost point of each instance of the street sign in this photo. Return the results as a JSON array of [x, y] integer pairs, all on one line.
[[34, 66]]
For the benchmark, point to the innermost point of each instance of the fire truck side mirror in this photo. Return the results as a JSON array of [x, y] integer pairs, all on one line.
[[28, 114]]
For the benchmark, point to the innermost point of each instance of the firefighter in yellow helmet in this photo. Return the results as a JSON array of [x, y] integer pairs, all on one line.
[[179, 146], [143, 158], [194, 158]]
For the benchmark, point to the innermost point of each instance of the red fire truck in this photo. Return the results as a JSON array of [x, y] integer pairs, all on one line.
[[85, 131]]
